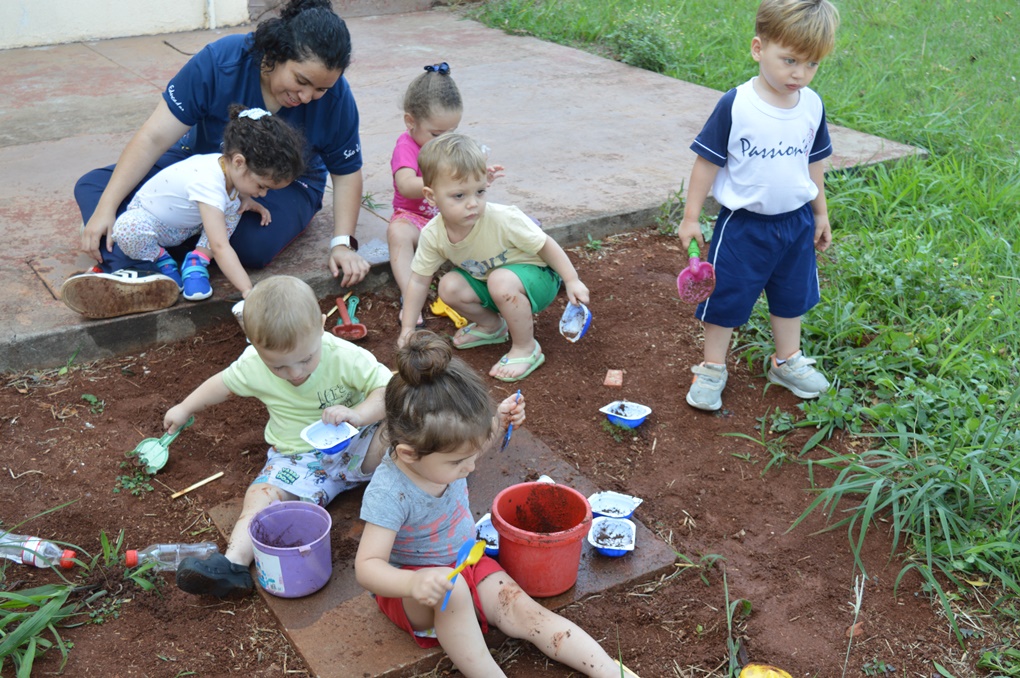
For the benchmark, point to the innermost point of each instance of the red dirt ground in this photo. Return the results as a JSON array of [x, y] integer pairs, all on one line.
[[698, 493]]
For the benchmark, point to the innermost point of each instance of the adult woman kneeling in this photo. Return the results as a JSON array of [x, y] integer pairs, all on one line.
[[291, 66]]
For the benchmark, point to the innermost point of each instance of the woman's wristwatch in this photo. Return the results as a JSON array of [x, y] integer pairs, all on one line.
[[348, 241]]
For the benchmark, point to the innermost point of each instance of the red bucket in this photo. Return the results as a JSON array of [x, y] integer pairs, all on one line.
[[541, 530]]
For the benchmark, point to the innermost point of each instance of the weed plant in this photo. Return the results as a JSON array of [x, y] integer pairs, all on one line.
[[918, 325], [31, 620]]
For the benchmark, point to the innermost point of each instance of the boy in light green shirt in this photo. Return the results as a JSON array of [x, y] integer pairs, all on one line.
[[302, 374]]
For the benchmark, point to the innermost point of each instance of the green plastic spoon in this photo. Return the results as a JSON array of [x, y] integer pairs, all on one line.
[[152, 453]]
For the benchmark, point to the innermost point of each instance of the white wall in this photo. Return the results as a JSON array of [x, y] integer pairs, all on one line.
[[29, 23]]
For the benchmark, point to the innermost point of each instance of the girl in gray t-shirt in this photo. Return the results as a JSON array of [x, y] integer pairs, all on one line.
[[439, 419]]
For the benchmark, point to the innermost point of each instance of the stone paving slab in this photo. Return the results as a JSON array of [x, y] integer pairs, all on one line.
[[591, 147], [311, 623]]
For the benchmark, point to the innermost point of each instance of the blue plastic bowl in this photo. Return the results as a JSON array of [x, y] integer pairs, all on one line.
[[612, 537], [613, 504], [327, 438], [485, 531], [626, 414], [574, 322]]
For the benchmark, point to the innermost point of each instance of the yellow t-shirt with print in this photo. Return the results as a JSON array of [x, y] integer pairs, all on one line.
[[504, 235]]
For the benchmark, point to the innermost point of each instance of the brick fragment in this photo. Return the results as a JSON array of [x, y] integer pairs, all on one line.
[[614, 379]]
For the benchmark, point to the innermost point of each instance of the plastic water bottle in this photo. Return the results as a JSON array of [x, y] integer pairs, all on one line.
[[169, 556], [34, 551]]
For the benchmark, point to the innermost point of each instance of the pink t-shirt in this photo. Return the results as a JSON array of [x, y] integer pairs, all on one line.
[[405, 154]]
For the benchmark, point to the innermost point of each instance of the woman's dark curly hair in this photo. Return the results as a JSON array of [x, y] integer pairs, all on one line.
[[305, 30], [271, 148]]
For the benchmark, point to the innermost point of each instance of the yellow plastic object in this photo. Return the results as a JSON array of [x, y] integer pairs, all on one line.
[[763, 671], [439, 307]]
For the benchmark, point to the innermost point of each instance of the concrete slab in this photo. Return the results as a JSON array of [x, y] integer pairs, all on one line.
[[591, 147], [311, 622]]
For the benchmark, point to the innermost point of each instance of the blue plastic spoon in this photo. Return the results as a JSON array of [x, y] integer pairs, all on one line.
[[510, 427]]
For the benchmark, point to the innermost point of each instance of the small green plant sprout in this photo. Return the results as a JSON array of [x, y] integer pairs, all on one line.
[[944, 672], [776, 421], [855, 605], [136, 480], [702, 566], [96, 406], [67, 366], [736, 611], [877, 667], [1002, 661], [369, 201], [671, 212], [775, 447], [593, 245], [111, 554], [617, 432]]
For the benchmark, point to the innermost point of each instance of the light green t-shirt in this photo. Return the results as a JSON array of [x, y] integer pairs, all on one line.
[[345, 376], [504, 235]]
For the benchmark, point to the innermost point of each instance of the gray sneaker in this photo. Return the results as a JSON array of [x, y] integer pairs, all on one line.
[[798, 375], [707, 386]]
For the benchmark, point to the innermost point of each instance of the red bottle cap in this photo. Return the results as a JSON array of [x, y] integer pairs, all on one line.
[[67, 559], [131, 558]]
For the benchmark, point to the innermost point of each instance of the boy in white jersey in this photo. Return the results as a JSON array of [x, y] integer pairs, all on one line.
[[761, 153]]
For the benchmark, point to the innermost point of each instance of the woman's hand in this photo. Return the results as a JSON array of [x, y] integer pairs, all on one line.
[[402, 339], [99, 226], [157, 134], [353, 265], [346, 208]]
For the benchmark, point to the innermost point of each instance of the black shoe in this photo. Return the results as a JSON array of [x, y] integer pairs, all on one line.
[[110, 295], [215, 576]]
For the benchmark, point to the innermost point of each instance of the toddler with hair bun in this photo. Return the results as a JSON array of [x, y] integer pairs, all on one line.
[[440, 420]]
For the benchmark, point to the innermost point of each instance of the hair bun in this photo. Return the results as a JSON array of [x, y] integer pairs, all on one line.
[[423, 358]]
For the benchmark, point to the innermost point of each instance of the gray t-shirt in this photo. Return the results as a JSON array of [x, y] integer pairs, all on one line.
[[430, 530]]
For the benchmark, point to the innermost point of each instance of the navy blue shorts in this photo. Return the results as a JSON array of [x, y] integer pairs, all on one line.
[[754, 252]]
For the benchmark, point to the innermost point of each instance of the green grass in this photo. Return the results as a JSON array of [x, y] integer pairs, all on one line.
[[918, 325]]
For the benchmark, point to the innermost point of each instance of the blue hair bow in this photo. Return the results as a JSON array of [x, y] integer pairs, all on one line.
[[441, 69]]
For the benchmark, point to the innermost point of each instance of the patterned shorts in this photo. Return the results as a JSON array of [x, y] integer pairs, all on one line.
[[417, 220], [317, 477]]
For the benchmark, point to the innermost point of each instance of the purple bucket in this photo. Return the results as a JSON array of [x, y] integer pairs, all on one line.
[[292, 548]]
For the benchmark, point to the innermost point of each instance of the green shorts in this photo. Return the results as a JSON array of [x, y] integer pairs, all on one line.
[[541, 284]]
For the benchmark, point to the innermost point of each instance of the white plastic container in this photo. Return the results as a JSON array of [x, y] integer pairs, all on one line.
[[613, 537], [327, 438], [626, 414], [613, 504]]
